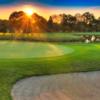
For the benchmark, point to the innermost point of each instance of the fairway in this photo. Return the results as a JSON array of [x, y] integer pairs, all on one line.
[[24, 59], [13, 49]]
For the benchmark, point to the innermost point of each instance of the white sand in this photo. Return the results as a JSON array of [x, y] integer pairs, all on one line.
[[77, 86]]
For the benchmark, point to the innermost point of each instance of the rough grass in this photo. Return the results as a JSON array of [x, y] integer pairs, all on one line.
[[84, 58], [53, 37]]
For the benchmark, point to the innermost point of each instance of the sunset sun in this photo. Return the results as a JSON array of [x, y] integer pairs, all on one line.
[[28, 11]]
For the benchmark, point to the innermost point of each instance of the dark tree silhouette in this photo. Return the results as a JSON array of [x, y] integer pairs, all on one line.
[[17, 21], [21, 23], [50, 23], [4, 26], [39, 23], [89, 17], [68, 23]]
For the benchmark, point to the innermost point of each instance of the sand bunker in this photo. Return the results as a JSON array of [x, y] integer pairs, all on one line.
[[77, 86]]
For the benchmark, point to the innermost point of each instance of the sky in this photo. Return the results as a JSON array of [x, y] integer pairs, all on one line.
[[50, 7]]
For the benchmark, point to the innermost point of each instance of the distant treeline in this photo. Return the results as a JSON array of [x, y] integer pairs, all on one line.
[[19, 22]]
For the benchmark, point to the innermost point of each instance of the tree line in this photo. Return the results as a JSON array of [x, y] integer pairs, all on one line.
[[19, 22]]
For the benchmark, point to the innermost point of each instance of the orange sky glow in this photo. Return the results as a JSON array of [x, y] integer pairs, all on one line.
[[46, 11]]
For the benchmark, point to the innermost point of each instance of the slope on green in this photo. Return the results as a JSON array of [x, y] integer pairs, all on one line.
[[15, 49]]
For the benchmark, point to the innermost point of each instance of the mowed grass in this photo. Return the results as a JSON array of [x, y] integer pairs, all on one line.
[[15, 49], [84, 58]]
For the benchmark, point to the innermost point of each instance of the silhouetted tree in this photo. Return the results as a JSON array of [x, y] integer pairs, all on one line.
[[68, 22], [39, 23], [50, 23], [21, 23], [89, 18], [4, 26], [17, 21]]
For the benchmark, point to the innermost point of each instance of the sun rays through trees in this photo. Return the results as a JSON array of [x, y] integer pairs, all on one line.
[[29, 22]]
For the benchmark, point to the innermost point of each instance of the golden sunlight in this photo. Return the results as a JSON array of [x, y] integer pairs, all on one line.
[[28, 11]]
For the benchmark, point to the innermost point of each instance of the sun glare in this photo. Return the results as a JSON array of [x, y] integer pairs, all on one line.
[[28, 11]]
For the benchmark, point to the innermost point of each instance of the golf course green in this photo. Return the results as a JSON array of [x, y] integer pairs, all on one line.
[[24, 59], [17, 49]]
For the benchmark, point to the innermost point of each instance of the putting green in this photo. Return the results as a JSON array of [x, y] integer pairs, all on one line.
[[14, 49]]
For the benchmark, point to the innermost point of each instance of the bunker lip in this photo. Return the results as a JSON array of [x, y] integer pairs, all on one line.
[[12, 50]]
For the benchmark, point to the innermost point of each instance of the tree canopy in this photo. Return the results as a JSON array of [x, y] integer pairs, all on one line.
[[19, 22]]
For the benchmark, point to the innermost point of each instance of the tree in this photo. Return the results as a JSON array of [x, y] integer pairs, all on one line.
[[68, 22], [21, 23], [89, 18], [50, 23], [17, 21], [4, 26], [80, 27], [98, 25], [39, 23]]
